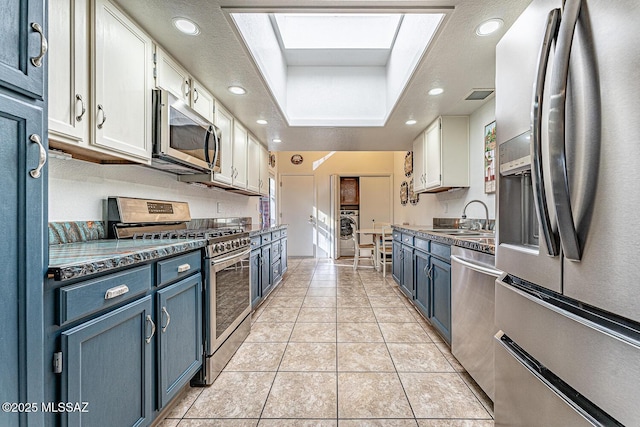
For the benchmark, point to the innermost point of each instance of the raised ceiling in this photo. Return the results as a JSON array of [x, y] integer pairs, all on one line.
[[457, 60]]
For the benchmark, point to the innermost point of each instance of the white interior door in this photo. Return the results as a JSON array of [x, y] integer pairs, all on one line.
[[297, 210], [375, 202]]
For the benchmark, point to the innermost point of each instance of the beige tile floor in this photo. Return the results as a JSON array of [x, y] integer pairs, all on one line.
[[336, 347]]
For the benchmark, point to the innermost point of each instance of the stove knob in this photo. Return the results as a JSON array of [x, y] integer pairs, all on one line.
[[220, 247], [228, 245]]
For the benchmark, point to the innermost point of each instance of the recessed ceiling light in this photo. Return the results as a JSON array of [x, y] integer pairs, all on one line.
[[410, 122], [277, 141], [237, 90], [436, 91], [261, 122], [489, 26], [186, 26]]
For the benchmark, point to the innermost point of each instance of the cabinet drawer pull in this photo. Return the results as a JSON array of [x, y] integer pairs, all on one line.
[[116, 291], [166, 313], [35, 173], [79, 98], [44, 46], [184, 267], [153, 329]]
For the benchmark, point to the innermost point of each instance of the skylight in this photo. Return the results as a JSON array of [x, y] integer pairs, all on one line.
[[337, 31], [337, 69]]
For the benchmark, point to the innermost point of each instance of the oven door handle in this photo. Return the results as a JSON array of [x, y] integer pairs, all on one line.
[[240, 255]]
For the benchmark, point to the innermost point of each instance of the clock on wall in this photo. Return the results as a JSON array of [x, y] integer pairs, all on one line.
[[296, 159]]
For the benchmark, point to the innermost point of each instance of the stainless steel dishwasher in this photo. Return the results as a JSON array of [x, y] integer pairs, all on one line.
[[473, 277]]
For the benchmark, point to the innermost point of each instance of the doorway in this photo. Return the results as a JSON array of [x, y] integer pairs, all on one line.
[[298, 211]]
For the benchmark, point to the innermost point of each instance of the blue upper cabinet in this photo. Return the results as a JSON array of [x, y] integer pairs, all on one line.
[[23, 46], [24, 249]]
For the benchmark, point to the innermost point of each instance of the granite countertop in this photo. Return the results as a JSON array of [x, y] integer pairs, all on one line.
[[256, 229], [76, 260], [481, 244]]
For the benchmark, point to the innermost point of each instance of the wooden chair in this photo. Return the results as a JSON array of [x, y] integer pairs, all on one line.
[[385, 248], [358, 247]]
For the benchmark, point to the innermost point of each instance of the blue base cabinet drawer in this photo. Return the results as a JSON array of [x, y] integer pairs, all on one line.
[[177, 267], [440, 250], [107, 363], [79, 300]]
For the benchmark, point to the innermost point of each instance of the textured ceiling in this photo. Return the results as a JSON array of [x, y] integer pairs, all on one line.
[[458, 60]]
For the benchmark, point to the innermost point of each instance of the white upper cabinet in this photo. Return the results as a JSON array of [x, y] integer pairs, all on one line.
[[172, 77], [122, 80], [240, 136], [419, 173], [441, 155], [202, 101], [253, 164], [264, 170], [224, 121], [68, 71]]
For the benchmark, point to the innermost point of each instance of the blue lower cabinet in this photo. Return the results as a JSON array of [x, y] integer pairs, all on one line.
[[107, 364], [255, 270], [407, 271], [265, 265], [396, 259], [421, 278], [441, 297], [283, 255], [179, 335]]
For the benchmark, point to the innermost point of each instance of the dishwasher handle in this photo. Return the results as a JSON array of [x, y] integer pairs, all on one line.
[[477, 267]]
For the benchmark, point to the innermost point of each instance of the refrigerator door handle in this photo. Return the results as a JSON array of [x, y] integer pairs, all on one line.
[[557, 116], [537, 175]]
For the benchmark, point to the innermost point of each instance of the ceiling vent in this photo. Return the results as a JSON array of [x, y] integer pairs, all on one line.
[[479, 94]]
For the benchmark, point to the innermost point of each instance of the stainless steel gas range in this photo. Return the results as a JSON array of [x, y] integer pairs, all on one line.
[[225, 266]]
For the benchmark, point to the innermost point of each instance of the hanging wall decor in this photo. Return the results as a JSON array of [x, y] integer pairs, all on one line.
[[404, 193], [490, 157], [296, 159], [414, 198], [408, 164]]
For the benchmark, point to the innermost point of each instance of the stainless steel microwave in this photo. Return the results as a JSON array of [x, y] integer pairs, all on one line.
[[184, 142]]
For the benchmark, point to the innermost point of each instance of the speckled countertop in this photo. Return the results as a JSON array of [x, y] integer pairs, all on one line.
[[76, 260], [256, 229], [480, 244]]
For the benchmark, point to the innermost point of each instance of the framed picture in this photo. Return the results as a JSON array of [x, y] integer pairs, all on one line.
[[490, 158], [296, 159]]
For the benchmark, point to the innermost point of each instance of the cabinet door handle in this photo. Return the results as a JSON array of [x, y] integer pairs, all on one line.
[[195, 95], [430, 273], [104, 116], [184, 267], [116, 291], [153, 329], [35, 173], [166, 313], [188, 88], [44, 46], [79, 98]]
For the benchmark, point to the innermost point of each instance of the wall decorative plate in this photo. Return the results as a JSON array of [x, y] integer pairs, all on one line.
[[272, 160], [296, 159], [404, 193], [408, 164], [414, 198]]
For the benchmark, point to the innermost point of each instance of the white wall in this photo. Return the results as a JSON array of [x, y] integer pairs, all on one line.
[[78, 189], [323, 164], [450, 204]]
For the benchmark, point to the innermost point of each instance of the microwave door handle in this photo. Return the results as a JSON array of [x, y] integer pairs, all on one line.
[[537, 174], [206, 146], [557, 117], [216, 153]]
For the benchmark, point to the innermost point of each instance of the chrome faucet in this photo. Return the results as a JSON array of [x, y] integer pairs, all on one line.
[[486, 210]]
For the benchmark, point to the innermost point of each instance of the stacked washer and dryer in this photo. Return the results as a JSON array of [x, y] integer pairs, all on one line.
[[348, 222]]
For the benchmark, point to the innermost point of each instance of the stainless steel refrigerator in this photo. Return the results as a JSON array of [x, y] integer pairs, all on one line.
[[568, 129]]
